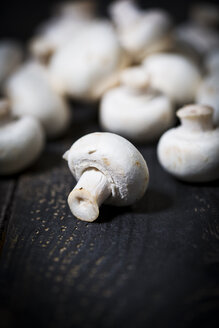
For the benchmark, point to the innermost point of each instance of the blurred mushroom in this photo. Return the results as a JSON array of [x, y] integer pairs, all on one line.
[[211, 62], [173, 74], [31, 93], [200, 38], [141, 31], [85, 68], [208, 94], [134, 109], [21, 140], [70, 19]]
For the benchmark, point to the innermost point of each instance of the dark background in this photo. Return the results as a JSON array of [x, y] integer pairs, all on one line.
[[151, 265], [19, 18]]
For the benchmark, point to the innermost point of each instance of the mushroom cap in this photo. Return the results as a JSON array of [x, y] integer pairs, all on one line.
[[174, 75], [10, 58], [21, 142], [208, 94], [55, 34], [121, 163], [190, 154], [83, 68], [69, 19], [141, 116], [148, 32], [31, 93]]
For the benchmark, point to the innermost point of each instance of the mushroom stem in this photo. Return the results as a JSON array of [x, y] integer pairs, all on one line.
[[136, 78], [196, 118], [124, 13], [91, 191]]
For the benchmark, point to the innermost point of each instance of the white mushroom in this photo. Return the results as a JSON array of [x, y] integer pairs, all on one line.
[[87, 67], [10, 58], [174, 75], [108, 169], [70, 20], [211, 62], [30, 92], [200, 38], [135, 110], [190, 152], [21, 141], [208, 94], [141, 32]]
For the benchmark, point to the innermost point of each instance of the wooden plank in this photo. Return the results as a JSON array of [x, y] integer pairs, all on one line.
[[152, 264], [7, 189]]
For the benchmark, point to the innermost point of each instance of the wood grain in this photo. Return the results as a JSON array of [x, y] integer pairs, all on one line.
[[150, 265]]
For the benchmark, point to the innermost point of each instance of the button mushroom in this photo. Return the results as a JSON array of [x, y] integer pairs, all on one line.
[[69, 20], [174, 75], [208, 94], [10, 58], [30, 92], [141, 32], [190, 152], [89, 65], [200, 38], [21, 140], [135, 110], [109, 169]]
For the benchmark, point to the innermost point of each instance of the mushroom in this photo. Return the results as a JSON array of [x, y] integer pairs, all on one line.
[[31, 92], [69, 21], [141, 32], [135, 110], [10, 58], [85, 68], [21, 140], [173, 74], [190, 151], [211, 62], [208, 94], [108, 169], [200, 38]]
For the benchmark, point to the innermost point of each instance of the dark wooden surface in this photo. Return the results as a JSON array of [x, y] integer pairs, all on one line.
[[155, 264]]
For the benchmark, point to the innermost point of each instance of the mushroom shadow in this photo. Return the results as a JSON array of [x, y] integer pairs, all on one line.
[[210, 184], [109, 213], [153, 201], [48, 160]]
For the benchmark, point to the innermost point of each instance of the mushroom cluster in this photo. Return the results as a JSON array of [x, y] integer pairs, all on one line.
[[138, 68]]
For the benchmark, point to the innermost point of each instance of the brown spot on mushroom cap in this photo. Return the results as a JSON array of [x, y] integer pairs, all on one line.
[[137, 163], [91, 151], [106, 161]]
